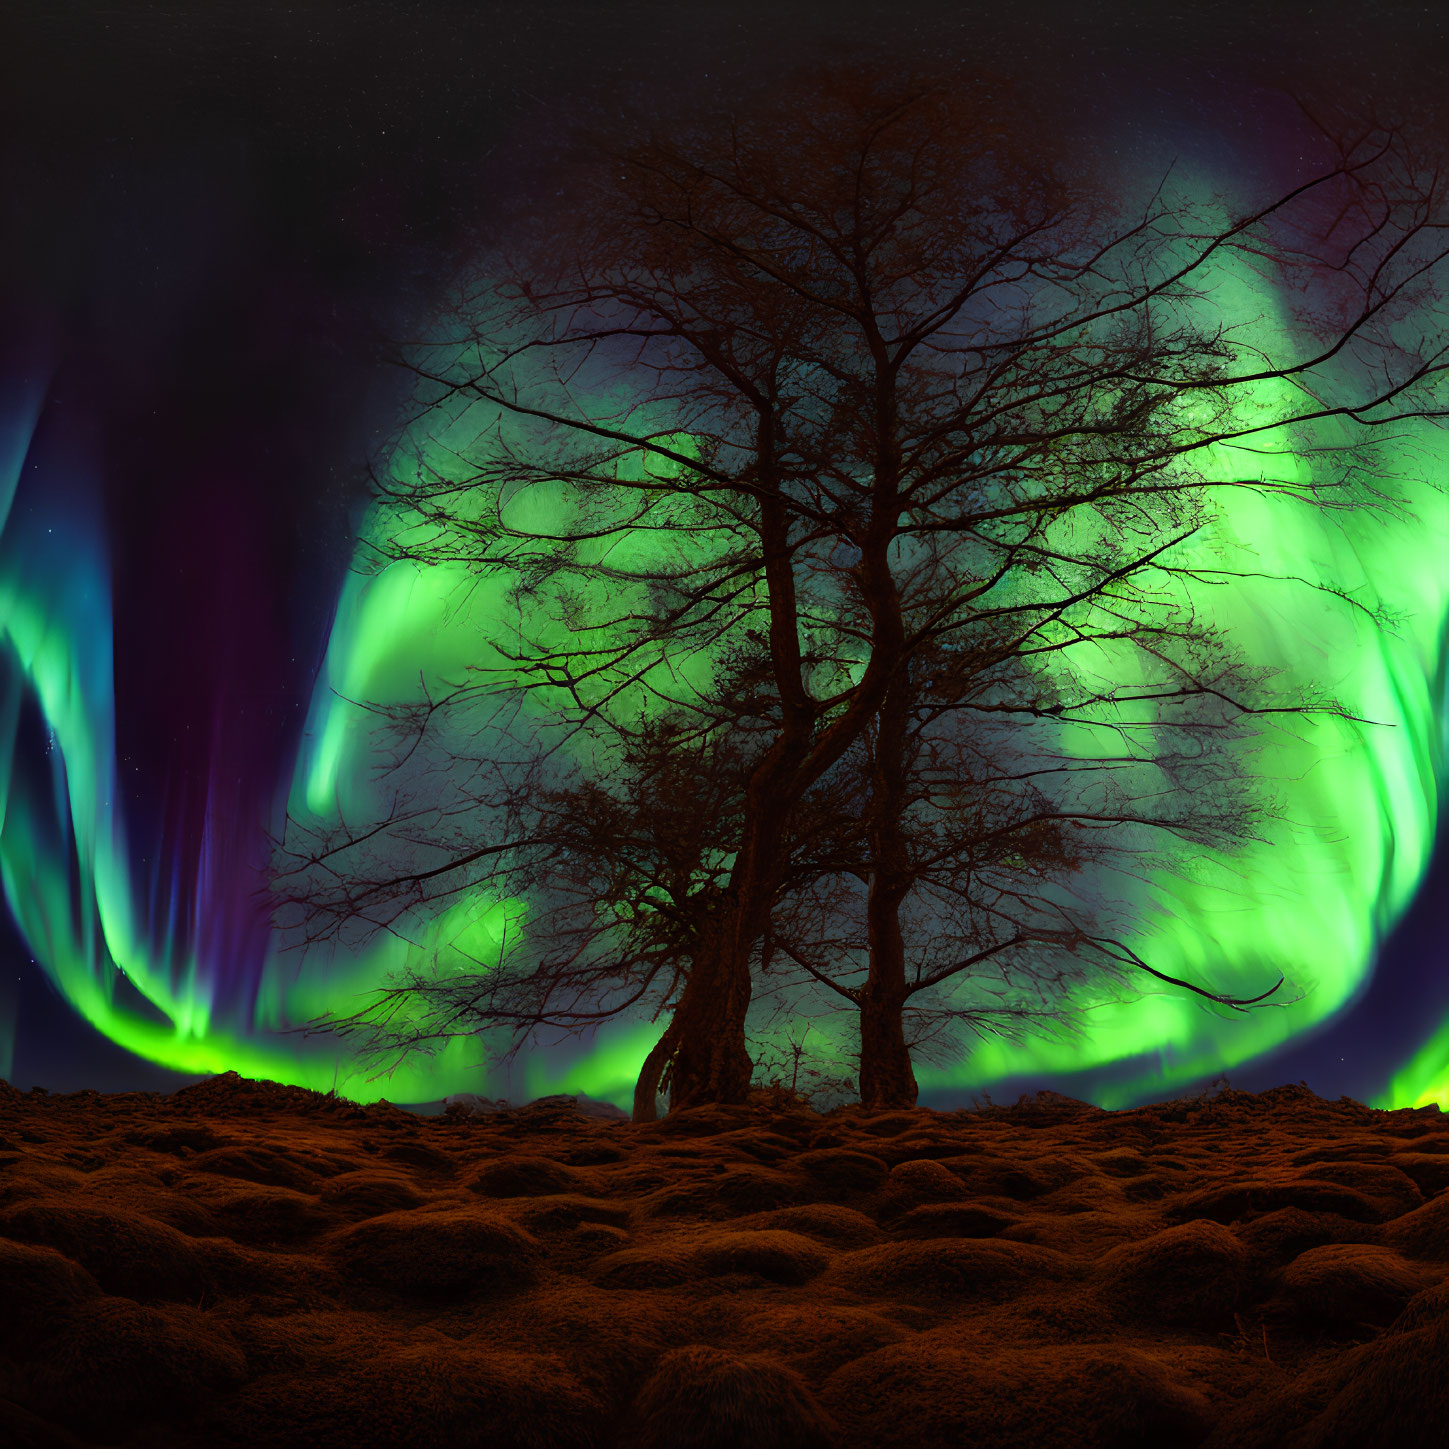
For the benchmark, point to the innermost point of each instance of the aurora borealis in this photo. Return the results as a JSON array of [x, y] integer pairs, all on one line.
[[183, 648]]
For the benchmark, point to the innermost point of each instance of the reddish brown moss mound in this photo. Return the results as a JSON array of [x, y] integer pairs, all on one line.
[[457, 1394], [710, 1398], [454, 1253], [126, 1253], [1090, 1397], [39, 1288], [1190, 1276], [116, 1364]]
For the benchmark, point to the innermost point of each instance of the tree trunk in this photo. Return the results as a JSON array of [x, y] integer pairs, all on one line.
[[886, 1078], [887, 1081], [710, 1062], [646, 1089], [701, 1056]]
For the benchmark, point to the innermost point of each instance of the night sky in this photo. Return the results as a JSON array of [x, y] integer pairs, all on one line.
[[212, 212]]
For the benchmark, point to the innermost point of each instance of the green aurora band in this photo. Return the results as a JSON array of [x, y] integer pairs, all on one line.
[[1311, 901], [65, 861]]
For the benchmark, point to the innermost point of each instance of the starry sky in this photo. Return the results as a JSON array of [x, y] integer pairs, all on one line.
[[213, 212]]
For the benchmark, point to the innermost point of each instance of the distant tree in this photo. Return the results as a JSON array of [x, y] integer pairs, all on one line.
[[869, 385]]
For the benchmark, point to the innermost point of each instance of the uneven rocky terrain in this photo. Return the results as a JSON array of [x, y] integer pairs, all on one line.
[[243, 1265]]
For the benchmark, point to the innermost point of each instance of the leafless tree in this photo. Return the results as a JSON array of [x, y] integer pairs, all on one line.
[[871, 381]]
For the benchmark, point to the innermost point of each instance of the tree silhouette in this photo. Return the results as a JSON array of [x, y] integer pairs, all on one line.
[[816, 441]]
